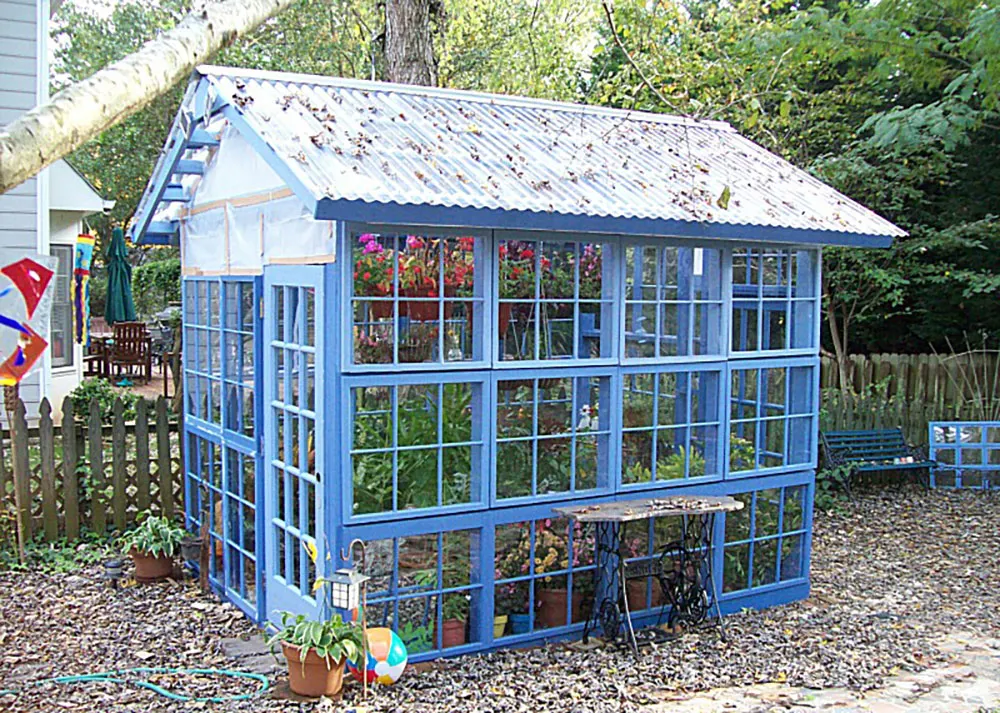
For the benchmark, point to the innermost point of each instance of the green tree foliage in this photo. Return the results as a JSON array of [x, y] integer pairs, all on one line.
[[895, 103], [156, 283]]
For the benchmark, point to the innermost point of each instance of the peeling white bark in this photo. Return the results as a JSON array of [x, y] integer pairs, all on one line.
[[82, 111]]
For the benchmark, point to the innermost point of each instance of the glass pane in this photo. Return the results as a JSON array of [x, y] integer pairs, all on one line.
[[736, 568], [766, 522], [792, 557], [517, 269], [372, 417]]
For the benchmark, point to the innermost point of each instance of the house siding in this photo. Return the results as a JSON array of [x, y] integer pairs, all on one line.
[[21, 209]]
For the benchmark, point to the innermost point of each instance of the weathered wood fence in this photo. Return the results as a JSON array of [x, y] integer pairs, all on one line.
[[932, 377], [910, 390], [93, 474]]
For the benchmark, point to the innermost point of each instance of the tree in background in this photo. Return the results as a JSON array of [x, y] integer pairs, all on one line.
[[895, 103]]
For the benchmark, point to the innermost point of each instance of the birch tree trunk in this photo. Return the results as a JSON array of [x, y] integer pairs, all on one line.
[[409, 44], [85, 109]]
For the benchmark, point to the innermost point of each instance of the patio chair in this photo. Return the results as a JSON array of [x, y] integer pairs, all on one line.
[[131, 347]]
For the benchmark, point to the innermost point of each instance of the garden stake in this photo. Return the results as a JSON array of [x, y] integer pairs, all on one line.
[[10, 398], [349, 556]]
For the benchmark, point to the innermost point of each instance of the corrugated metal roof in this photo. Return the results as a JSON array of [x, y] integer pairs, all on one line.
[[383, 143]]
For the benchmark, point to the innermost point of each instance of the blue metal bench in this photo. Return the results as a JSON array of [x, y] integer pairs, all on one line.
[[872, 451]]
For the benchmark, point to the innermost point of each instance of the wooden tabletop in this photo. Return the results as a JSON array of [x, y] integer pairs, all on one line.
[[667, 506]]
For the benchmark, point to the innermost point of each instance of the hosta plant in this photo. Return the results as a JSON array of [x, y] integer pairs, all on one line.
[[332, 640], [155, 536]]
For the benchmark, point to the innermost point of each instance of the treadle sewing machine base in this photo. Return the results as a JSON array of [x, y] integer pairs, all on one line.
[[683, 568]]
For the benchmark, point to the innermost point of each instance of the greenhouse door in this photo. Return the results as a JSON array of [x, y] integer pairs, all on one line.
[[293, 464]]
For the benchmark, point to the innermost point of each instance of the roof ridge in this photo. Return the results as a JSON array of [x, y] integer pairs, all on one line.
[[209, 70]]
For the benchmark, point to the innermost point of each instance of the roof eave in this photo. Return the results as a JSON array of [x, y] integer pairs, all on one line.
[[472, 217]]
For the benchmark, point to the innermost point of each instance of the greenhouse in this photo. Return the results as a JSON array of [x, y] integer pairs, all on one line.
[[424, 318]]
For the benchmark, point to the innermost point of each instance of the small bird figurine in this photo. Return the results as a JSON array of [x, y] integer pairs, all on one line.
[[588, 419]]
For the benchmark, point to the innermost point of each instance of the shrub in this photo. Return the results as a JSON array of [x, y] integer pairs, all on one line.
[[105, 394]]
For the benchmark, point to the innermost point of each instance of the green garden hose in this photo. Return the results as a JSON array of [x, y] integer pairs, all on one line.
[[117, 677]]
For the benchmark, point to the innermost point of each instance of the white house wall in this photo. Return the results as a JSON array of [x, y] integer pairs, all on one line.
[[65, 227], [23, 81], [243, 217]]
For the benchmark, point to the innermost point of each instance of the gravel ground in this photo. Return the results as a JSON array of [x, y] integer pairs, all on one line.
[[891, 575]]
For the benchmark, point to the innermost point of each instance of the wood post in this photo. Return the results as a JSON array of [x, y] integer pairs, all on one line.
[[46, 447], [71, 485]]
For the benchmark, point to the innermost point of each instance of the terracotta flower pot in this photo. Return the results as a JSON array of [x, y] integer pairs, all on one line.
[[636, 592], [424, 311], [315, 676], [552, 608], [452, 633], [151, 568], [503, 318], [380, 310]]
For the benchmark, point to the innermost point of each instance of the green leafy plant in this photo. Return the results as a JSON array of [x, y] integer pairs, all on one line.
[[104, 392], [333, 640], [416, 638], [58, 557], [156, 536], [455, 606], [831, 488], [156, 283]]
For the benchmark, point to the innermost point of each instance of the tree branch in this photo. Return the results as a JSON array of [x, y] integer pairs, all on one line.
[[635, 66], [83, 110]]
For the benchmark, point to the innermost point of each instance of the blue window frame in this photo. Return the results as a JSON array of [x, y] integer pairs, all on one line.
[[673, 302], [766, 542], [544, 575], [775, 300], [293, 468], [671, 425], [967, 454], [202, 350], [552, 433], [221, 488], [773, 415], [554, 300], [417, 298], [428, 587], [416, 443]]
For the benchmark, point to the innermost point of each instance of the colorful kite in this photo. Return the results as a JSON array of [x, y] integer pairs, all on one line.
[[25, 303], [81, 288]]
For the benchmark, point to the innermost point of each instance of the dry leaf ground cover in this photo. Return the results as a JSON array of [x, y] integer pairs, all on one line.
[[892, 574]]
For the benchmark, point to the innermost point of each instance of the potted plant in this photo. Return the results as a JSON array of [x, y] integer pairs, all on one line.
[[419, 276], [454, 613], [552, 554], [373, 275], [316, 652], [152, 546]]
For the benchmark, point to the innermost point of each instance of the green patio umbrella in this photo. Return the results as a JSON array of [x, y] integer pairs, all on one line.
[[119, 306]]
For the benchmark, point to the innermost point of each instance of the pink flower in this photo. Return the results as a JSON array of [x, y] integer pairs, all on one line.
[[366, 238], [413, 242], [372, 247]]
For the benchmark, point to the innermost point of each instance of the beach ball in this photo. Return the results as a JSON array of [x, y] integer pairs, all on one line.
[[386, 657]]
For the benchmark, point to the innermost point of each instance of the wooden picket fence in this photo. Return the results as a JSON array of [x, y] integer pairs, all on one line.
[[92, 475], [908, 391], [925, 377]]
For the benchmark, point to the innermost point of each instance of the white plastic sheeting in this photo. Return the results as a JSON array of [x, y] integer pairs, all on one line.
[[243, 217]]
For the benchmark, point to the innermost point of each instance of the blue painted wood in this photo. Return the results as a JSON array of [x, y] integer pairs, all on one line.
[[966, 453], [289, 581], [799, 403], [189, 167], [361, 211], [200, 139]]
